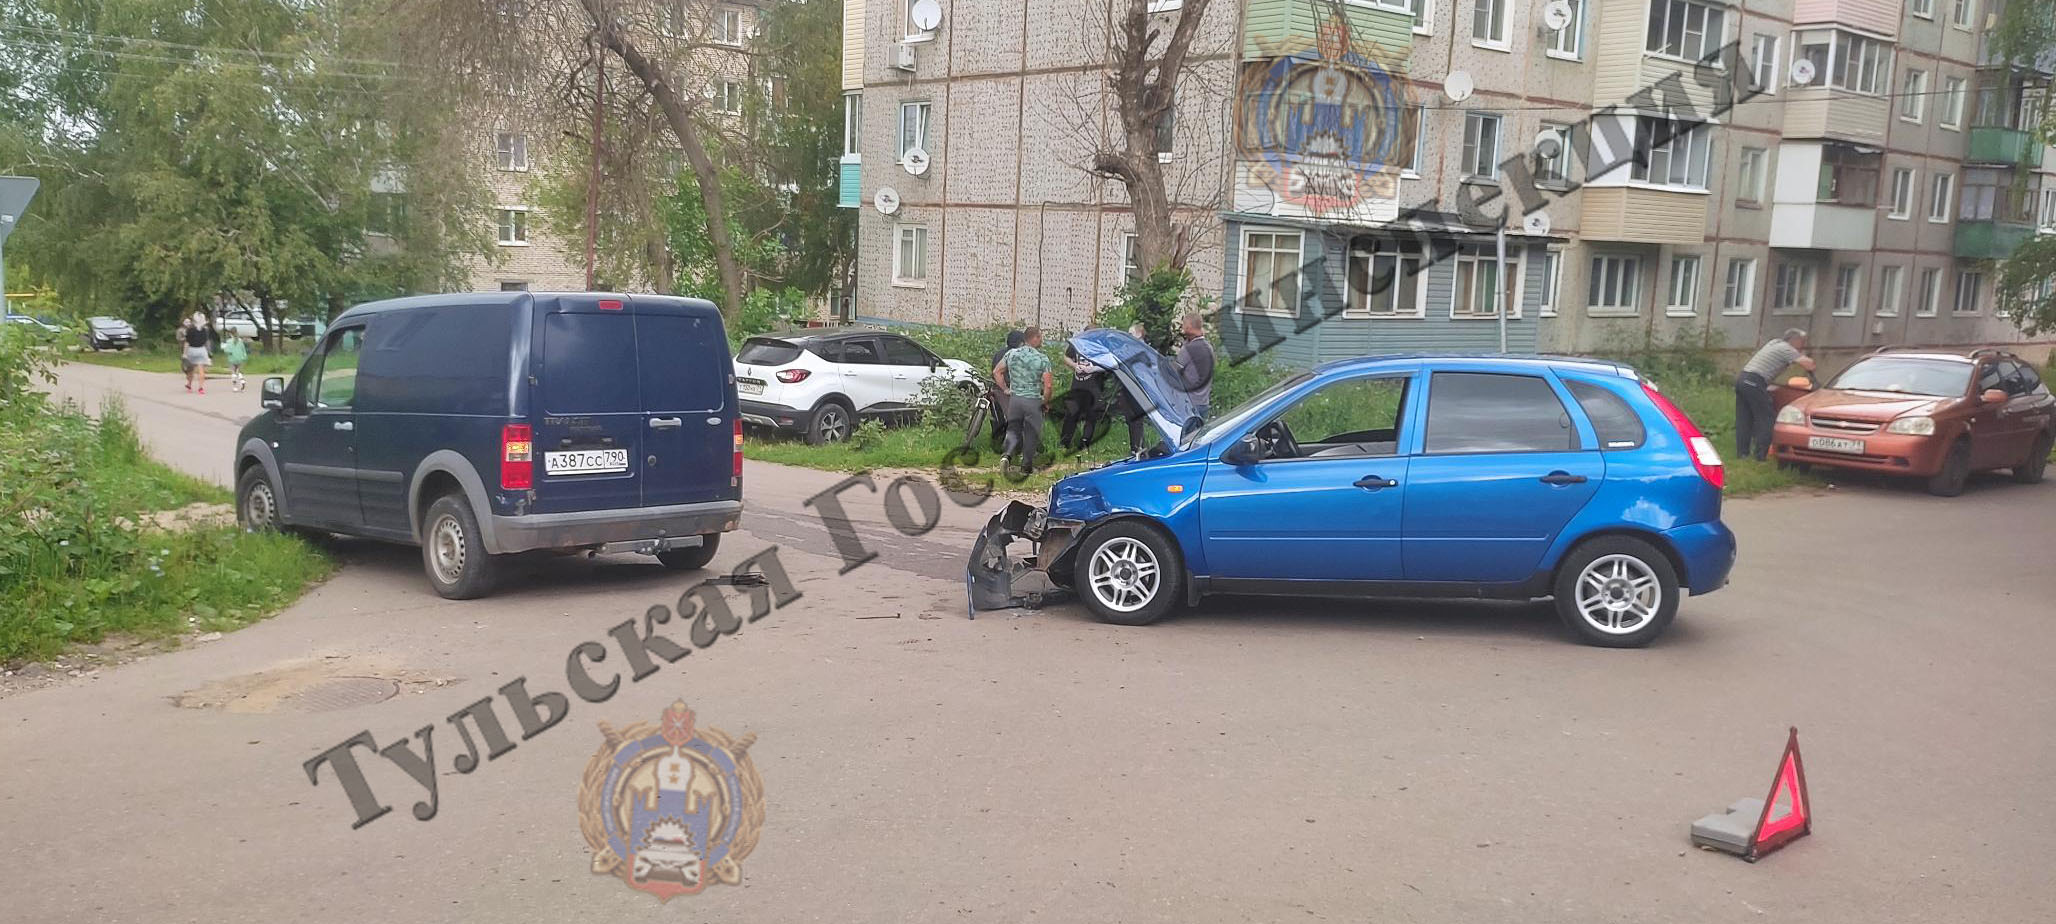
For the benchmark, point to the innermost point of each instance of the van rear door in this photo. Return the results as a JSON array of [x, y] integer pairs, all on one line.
[[588, 414], [688, 401]]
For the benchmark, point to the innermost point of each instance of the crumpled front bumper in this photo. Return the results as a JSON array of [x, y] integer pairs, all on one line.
[[996, 578]]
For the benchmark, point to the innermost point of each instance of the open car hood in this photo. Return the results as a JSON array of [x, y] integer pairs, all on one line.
[[1146, 374]]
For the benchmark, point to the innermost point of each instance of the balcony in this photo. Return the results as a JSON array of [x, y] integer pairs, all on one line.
[[1991, 144], [1990, 240], [1825, 197], [849, 188], [1643, 215], [1822, 226], [1823, 112]]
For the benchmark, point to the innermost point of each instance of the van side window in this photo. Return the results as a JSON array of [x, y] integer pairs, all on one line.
[[335, 385], [1494, 412], [1617, 424]]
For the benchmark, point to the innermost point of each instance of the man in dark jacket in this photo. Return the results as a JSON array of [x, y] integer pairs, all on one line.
[[1195, 364]]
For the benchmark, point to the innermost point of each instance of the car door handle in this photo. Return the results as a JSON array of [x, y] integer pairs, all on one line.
[[1373, 483], [666, 423], [1562, 477], [344, 425]]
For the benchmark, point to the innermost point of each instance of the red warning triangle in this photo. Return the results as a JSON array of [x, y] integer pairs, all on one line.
[[1787, 812]]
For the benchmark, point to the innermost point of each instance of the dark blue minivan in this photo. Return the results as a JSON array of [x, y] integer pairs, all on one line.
[[478, 425]]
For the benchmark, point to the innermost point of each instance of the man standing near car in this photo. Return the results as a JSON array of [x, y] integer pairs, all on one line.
[[1753, 412], [1195, 364], [1024, 374]]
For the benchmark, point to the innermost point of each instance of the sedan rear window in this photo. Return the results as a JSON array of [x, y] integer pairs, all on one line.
[[763, 351], [1908, 376], [1617, 424]]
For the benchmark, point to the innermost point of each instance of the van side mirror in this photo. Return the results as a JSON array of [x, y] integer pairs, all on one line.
[[1245, 451], [272, 394], [1993, 396]]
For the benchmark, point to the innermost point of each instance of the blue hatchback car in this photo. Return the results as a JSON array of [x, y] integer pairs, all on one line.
[[1432, 476]]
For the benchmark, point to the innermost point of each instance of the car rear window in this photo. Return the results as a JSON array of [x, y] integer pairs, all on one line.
[[1493, 412], [585, 357], [1617, 424], [764, 351]]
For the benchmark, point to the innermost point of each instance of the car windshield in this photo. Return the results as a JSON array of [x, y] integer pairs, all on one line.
[[1906, 375], [1245, 410], [767, 352]]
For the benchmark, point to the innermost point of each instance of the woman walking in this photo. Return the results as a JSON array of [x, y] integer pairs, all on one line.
[[195, 356]]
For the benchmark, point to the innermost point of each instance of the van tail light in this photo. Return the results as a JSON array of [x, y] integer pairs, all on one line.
[[736, 471], [1704, 457], [790, 376], [517, 457]]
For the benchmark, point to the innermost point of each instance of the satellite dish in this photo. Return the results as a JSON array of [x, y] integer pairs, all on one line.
[[916, 161], [1457, 86], [1548, 143], [1556, 15], [887, 201], [1802, 72], [1536, 224], [925, 14]]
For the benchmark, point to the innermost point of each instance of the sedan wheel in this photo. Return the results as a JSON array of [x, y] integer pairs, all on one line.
[[1617, 592], [1124, 575], [1129, 573]]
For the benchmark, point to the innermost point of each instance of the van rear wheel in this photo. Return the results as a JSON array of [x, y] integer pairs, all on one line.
[[453, 552], [692, 558]]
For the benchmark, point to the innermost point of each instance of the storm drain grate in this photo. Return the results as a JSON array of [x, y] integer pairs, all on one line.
[[341, 693]]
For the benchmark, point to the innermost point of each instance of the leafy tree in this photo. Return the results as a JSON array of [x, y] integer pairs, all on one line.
[[2026, 36]]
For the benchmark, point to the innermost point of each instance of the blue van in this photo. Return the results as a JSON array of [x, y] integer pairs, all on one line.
[[482, 424]]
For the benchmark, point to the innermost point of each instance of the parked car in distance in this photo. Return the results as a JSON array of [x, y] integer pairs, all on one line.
[[478, 425], [104, 333], [38, 325], [820, 382], [253, 324], [1434, 476], [1934, 416]]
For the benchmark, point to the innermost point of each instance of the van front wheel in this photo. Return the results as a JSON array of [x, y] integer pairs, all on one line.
[[453, 553]]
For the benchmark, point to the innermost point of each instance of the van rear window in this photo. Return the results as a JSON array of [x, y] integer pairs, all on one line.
[[763, 351], [589, 364], [684, 364]]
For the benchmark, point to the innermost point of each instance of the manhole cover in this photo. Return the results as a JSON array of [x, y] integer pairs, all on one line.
[[341, 693]]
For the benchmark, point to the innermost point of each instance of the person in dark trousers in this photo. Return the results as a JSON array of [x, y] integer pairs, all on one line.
[[1125, 403], [1000, 433], [1753, 413], [1024, 374], [1195, 364], [1082, 402]]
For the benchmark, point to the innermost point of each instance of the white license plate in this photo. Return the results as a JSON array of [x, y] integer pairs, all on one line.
[[749, 386], [1835, 444], [585, 462]]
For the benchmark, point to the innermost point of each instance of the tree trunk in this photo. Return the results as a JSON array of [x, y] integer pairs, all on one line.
[[705, 174], [1143, 72], [267, 308]]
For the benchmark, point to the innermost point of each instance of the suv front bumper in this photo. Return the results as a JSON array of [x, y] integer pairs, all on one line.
[[600, 527]]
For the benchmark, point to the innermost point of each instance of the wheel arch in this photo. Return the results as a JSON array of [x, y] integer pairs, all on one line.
[[1067, 559], [434, 477], [1655, 539]]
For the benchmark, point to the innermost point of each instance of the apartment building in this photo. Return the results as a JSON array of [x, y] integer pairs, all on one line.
[[1685, 171]]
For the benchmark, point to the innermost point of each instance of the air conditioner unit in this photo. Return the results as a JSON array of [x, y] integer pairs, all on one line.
[[903, 56]]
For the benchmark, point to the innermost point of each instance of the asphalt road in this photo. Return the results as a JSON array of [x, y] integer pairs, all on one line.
[[1246, 761]]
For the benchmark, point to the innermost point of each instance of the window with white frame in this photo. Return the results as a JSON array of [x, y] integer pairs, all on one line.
[[1952, 103], [1940, 188], [1488, 22], [1924, 9], [1415, 139], [728, 97], [1891, 280], [1970, 285], [1684, 287], [1902, 194], [1738, 293], [1552, 274], [1475, 291], [1847, 61], [1480, 146], [913, 127], [1671, 153], [910, 255], [1791, 290], [1961, 13], [913, 33], [1930, 293], [728, 26], [1913, 95], [1166, 6], [514, 226], [1749, 174], [1848, 289], [2047, 221], [510, 150], [1554, 169], [1615, 286], [852, 122], [1167, 132], [1569, 41], [1386, 280], [1685, 29], [1131, 257], [1270, 272], [1763, 62]]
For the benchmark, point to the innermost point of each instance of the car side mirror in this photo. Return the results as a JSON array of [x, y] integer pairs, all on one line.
[[272, 394], [1993, 396], [1244, 451]]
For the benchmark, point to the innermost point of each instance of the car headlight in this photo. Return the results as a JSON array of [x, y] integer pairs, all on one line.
[[1790, 415], [1913, 426]]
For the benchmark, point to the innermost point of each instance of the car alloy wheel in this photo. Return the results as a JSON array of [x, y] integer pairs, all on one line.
[[1124, 575], [1618, 594], [446, 549], [831, 424]]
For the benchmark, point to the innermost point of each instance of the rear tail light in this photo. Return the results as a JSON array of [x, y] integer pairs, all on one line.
[[789, 376], [735, 472], [517, 457], [1704, 457]]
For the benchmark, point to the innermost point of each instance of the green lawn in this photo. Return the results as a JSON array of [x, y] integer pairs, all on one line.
[[165, 359]]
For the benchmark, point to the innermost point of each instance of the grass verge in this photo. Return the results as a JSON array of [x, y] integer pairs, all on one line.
[[152, 359]]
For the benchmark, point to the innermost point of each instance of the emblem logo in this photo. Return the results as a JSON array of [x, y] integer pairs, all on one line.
[[1322, 124], [671, 807]]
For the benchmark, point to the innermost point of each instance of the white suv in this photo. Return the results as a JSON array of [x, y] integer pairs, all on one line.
[[819, 382]]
